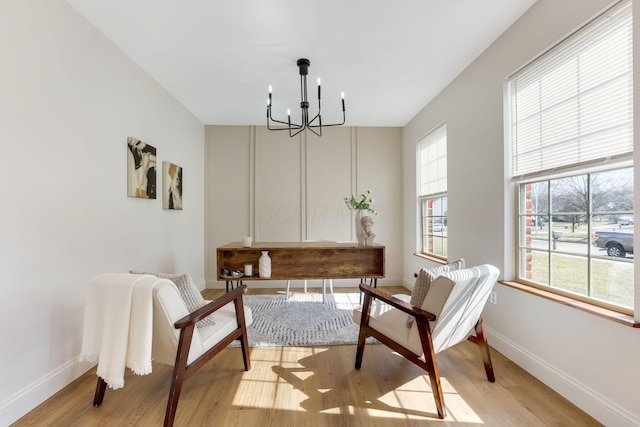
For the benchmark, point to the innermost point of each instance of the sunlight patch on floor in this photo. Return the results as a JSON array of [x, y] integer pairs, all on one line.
[[276, 382], [457, 408]]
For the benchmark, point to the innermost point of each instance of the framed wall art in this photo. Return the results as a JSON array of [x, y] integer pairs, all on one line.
[[141, 169], [171, 186]]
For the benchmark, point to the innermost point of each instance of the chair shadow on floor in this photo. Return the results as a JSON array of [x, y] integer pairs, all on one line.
[[336, 385]]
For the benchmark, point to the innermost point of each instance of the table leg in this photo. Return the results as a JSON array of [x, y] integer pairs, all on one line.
[[372, 282], [324, 290]]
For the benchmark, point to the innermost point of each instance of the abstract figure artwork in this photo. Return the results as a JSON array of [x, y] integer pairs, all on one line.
[[171, 186], [141, 169]]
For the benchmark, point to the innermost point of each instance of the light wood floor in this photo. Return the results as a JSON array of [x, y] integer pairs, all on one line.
[[319, 386]]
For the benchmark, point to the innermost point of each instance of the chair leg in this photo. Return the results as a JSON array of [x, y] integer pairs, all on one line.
[[432, 364], [436, 386], [244, 341], [244, 344], [100, 389], [174, 395], [288, 285], [362, 336], [484, 349], [179, 374]]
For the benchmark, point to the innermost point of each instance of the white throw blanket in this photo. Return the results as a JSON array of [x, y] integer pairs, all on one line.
[[118, 325]]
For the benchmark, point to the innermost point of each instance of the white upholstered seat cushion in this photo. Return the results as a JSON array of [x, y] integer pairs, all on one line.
[[169, 307], [392, 323], [226, 323]]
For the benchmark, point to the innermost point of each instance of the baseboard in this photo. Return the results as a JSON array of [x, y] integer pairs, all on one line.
[[587, 399], [18, 405]]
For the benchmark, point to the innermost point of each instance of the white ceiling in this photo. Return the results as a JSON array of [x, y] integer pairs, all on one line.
[[218, 58]]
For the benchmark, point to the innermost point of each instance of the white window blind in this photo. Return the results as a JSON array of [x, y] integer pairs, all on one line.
[[433, 161], [574, 104]]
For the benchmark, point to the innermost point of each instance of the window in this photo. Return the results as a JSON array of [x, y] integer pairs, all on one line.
[[432, 192], [577, 235], [571, 132]]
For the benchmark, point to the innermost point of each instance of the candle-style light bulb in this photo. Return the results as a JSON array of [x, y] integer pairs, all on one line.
[[288, 112], [270, 88]]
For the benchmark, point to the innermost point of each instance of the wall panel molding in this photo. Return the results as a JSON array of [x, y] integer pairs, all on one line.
[[292, 189]]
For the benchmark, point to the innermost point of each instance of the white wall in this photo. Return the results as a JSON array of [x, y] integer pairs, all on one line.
[[69, 100], [276, 188], [590, 360]]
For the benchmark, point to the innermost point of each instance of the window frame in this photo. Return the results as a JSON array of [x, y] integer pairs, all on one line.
[[430, 236], [432, 192], [522, 269]]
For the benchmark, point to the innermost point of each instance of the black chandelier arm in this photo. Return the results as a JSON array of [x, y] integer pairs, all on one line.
[[285, 127], [319, 117], [316, 117], [290, 128], [320, 125], [287, 123], [295, 133]]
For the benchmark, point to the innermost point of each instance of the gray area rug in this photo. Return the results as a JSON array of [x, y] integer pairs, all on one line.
[[302, 320]]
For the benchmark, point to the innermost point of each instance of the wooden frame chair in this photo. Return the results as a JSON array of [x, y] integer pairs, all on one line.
[[178, 342], [450, 314]]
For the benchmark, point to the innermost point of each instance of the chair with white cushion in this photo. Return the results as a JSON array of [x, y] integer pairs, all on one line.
[[451, 313], [177, 341]]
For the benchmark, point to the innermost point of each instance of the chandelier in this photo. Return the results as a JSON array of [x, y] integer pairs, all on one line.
[[315, 124]]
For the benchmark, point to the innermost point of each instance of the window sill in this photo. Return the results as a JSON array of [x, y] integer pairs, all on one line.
[[580, 305], [431, 258]]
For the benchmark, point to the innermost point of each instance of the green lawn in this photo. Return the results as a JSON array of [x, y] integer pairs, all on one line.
[[611, 281], [439, 245]]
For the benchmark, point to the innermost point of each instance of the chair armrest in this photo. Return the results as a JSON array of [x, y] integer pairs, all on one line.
[[213, 306], [397, 303]]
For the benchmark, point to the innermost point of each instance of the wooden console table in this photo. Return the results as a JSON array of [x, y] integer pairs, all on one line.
[[306, 260]]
